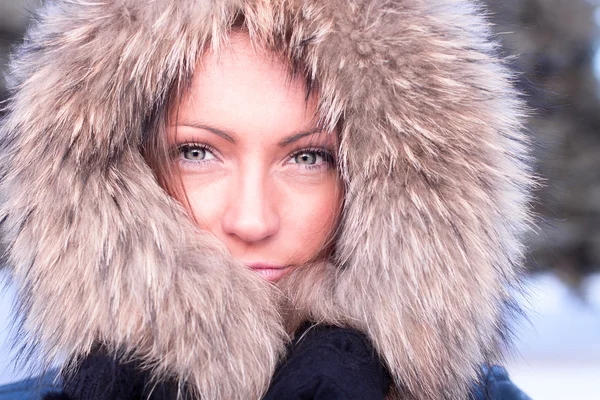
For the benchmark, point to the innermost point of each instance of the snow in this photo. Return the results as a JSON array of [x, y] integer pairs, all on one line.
[[7, 296], [557, 354]]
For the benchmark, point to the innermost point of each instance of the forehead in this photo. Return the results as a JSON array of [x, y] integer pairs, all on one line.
[[249, 91]]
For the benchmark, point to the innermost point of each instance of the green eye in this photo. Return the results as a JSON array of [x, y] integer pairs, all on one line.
[[307, 158], [195, 153], [312, 158]]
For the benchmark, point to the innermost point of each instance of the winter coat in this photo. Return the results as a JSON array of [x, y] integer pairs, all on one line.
[[433, 156], [322, 363]]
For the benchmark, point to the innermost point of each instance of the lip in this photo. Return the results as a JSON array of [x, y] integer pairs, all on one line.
[[269, 272]]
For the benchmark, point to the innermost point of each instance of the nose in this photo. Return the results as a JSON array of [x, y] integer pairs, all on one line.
[[251, 214]]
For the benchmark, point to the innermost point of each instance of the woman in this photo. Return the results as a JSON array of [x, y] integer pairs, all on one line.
[[187, 184]]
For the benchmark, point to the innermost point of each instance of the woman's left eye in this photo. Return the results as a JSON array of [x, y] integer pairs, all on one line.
[[311, 157]]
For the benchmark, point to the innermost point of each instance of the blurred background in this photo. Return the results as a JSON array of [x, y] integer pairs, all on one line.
[[554, 45]]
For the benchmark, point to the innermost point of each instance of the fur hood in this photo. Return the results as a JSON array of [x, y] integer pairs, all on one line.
[[433, 155]]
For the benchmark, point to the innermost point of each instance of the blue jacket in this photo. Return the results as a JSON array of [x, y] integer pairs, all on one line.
[[325, 363], [496, 386]]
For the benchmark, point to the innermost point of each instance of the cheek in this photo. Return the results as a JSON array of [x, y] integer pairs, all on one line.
[[205, 197], [308, 217]]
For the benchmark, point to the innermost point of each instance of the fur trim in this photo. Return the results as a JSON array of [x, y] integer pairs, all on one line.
[[432, 152]]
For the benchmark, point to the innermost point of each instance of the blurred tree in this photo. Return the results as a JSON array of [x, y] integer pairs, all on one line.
[[554, 43], [14, 16]]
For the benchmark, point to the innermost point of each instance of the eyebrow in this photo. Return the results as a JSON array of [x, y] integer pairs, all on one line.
[[231, 137], [219, 132], [297, 136]]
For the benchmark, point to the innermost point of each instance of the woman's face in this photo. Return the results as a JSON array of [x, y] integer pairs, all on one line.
[[257, 171]]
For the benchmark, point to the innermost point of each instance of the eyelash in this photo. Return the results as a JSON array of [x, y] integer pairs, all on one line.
[[179, 150], [328, 158]]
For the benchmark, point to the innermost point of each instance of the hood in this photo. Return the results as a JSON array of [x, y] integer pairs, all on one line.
[[432, 153]]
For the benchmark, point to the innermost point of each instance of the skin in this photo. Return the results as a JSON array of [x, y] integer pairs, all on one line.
[[257, 171]]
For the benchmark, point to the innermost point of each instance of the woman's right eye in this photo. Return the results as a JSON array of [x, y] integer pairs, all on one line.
[[195, 153]]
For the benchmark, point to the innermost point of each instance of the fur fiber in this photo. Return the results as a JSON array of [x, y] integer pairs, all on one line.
[[436, 165]]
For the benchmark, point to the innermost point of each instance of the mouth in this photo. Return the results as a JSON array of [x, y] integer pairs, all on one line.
[[269, 272]]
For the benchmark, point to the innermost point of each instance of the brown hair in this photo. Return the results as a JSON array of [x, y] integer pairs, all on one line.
[[156, 149]]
